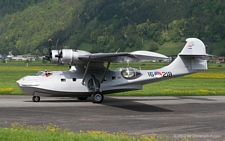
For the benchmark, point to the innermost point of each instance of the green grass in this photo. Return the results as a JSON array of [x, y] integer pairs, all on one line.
[[23, 132], [210, 82], [181, 87], [11, 134]]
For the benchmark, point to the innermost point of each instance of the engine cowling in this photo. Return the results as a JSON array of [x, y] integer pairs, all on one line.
[[54, 59], [69, 56]]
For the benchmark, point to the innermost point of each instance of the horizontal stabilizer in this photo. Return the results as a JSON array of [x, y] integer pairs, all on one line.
[[203, 57]]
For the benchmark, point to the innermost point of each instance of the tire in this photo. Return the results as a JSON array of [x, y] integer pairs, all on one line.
[[36, 99], [97, 98], [82, 98]]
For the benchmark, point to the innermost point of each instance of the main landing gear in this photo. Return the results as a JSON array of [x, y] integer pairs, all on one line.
[[97, 98], [36, 98]]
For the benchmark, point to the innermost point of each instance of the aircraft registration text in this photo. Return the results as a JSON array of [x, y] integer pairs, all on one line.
[[160, 74]]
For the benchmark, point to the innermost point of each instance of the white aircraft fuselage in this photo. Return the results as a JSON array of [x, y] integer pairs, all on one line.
[[69, 83], [95, 80]]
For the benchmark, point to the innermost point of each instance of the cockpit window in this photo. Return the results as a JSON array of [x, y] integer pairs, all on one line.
[[44, 73], [130, 73], [40, 73]]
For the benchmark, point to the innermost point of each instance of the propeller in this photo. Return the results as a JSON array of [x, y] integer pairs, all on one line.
[[59, 55]]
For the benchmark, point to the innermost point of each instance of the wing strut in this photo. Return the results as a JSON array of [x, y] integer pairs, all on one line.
[[103, 77], [85, 73]]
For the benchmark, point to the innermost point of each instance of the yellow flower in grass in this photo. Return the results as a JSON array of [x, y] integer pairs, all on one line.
[[217, 75], [81, 131], [167, 91], [96, 132], [52, 127], [203, 91], [6, 90]]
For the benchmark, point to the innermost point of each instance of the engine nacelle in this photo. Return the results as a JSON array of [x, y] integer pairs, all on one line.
[[69, 56]]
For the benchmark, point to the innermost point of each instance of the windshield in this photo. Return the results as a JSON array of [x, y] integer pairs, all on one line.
[[44, 73], [40, 73]]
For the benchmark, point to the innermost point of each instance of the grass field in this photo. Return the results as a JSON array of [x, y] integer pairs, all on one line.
[[52, 132], [210, 82]]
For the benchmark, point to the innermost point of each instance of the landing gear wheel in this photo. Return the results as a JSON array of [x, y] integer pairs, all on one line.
[[97, 98], [36, 98], [82, 98]]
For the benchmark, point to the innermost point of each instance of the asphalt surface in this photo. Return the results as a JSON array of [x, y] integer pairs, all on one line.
[[200, 117]]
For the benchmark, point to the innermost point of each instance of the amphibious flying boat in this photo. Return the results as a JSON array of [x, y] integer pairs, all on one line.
[[88, 77]]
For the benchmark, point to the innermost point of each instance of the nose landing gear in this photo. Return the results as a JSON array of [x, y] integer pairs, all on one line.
[[36, 98]]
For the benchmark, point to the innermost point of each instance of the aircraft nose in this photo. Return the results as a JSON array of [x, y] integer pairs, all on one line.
[[19, 82], [26, 82]]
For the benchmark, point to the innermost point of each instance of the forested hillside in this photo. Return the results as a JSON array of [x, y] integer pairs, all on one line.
[[106, 25]]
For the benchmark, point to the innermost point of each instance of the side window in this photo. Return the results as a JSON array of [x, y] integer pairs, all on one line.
[[130, 73], [113, 77], [63, 80]]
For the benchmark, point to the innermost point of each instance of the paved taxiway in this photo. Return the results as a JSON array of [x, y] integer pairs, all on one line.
[[173, 116]]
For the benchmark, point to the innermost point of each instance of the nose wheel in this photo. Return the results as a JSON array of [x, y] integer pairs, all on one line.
[[97, 98], [36, 98]]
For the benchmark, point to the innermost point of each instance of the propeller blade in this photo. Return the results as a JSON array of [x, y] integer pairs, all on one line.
[[50, 48], [46, 58]]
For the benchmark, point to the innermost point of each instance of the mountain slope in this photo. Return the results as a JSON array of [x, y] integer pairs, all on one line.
[[106, 25], [24, 31]]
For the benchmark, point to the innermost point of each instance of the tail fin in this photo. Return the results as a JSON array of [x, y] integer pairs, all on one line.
[[192, 58], [193, 47]]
